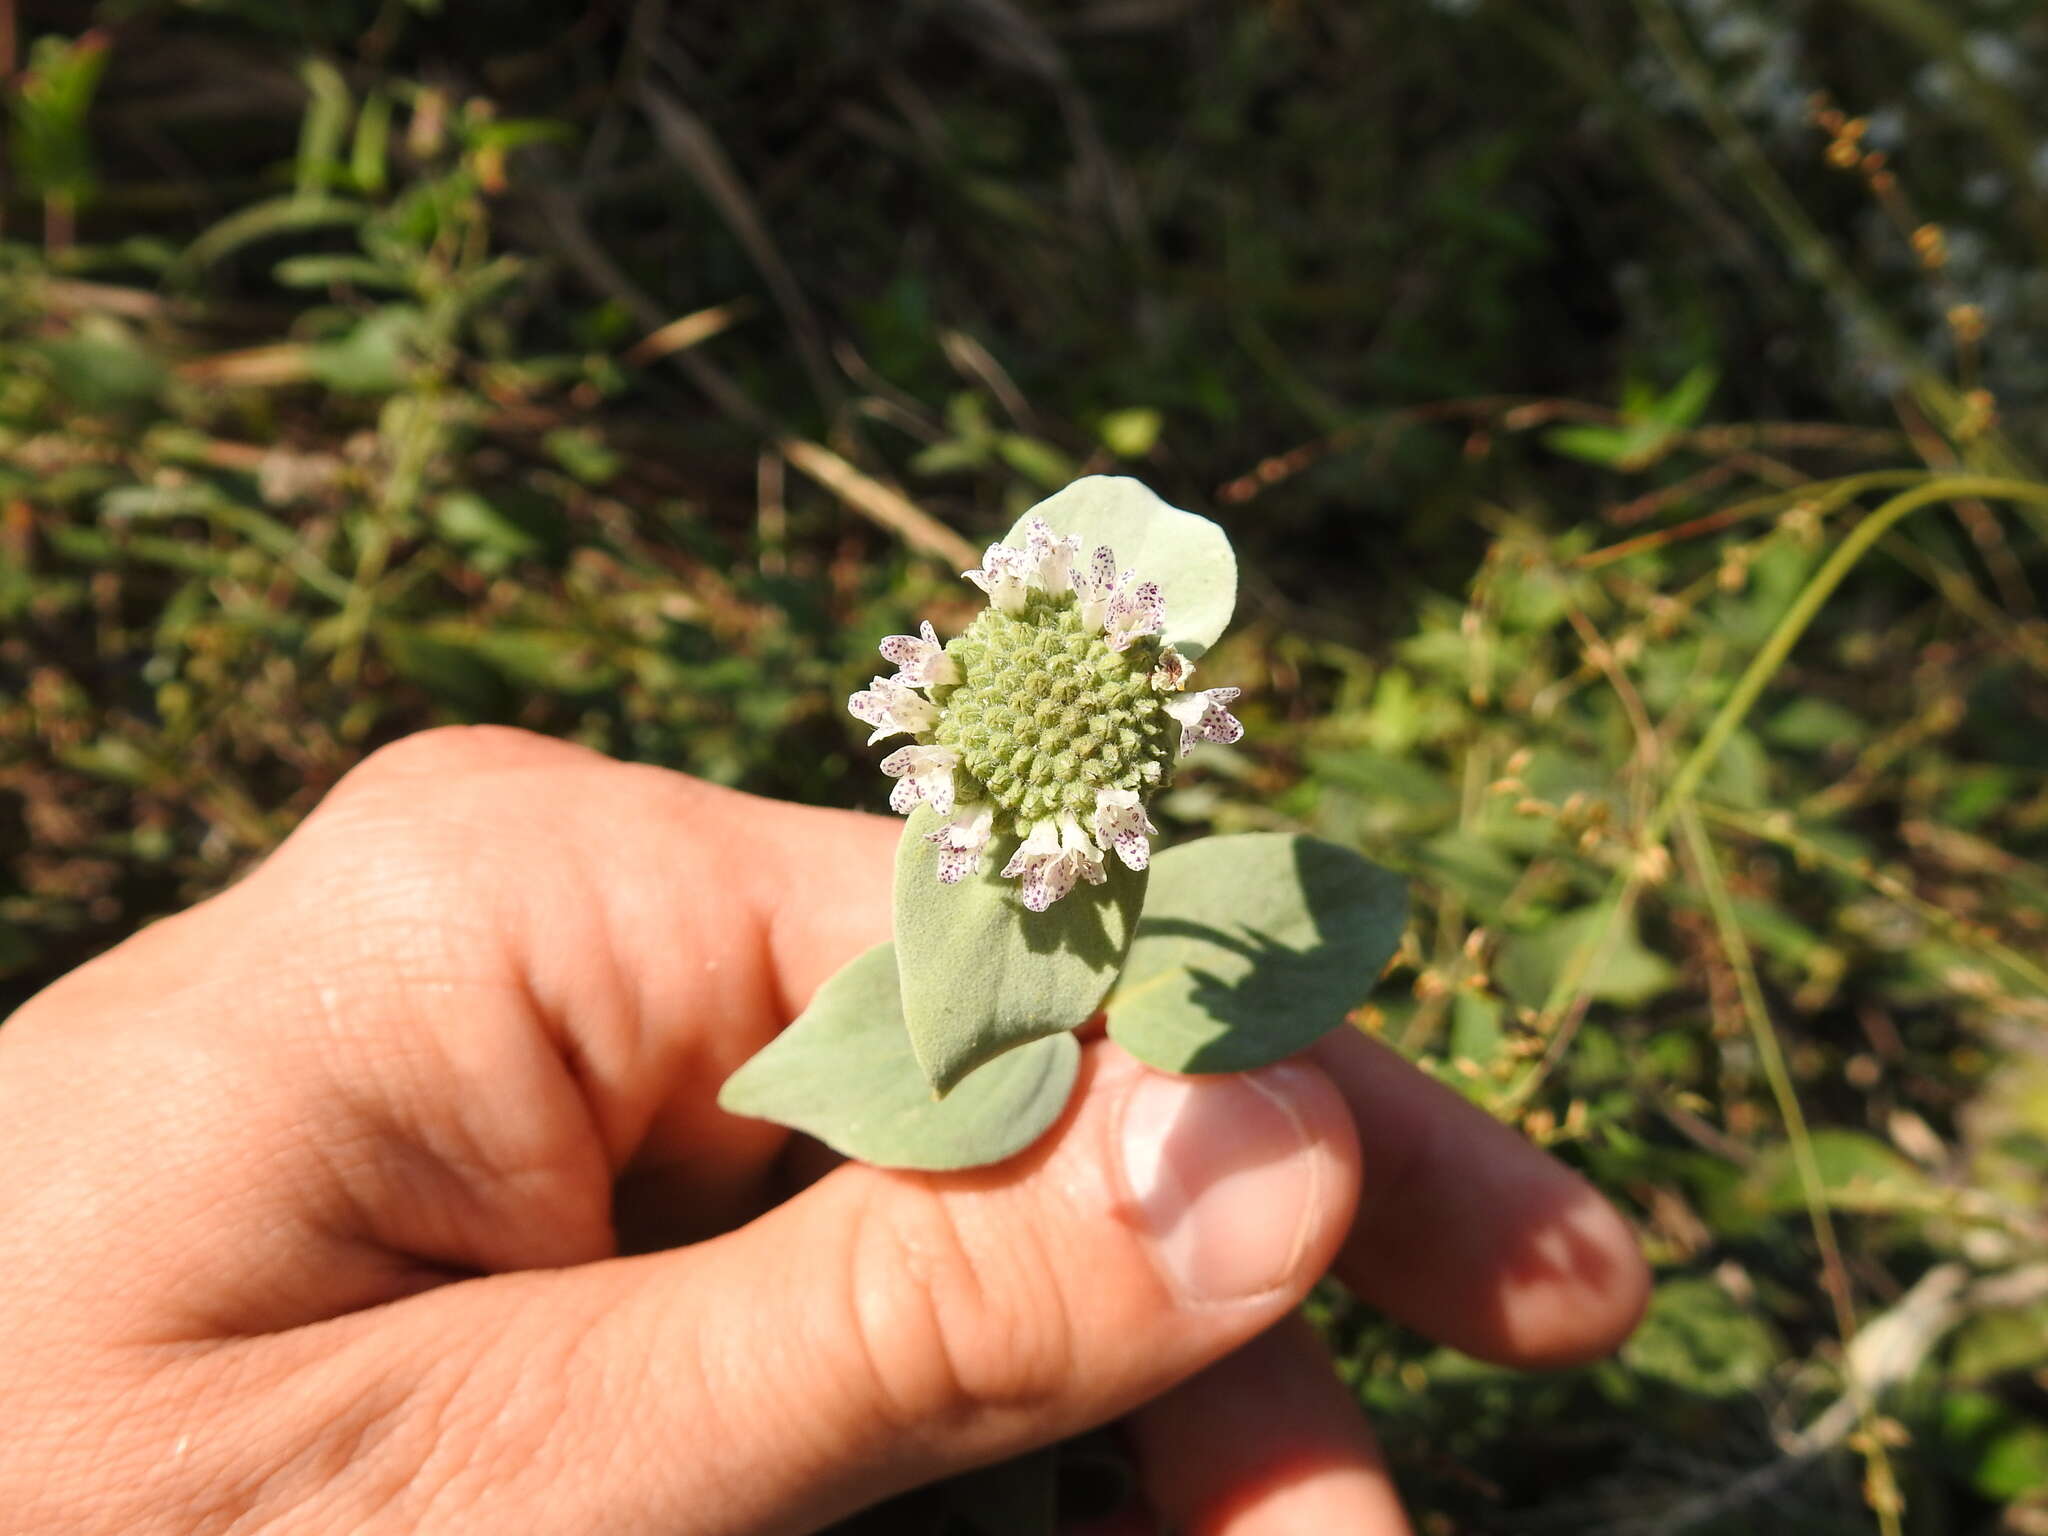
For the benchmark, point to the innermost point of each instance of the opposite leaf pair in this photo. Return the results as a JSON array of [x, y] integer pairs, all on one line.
[[1249, 949], [1039, 737]]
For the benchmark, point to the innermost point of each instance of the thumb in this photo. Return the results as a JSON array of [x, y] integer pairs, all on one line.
[[884, 1329]]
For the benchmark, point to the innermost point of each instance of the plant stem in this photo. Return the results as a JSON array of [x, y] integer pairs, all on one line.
[[1812, 1187], [1757, 676]]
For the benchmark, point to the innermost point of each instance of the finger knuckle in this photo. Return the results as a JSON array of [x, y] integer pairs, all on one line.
[[956, 1320], [449, 750]]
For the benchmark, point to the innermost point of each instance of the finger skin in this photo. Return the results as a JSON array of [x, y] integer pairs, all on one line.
[[1265, 1443], [415, 1044], [500, 968], [1468, 1233]]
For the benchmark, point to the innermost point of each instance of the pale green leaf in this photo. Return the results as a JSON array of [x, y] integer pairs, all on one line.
[[262, 221], [981, 973], [1250, 948], [325, 271], [1188, 556], [368, 162], [2005, 1339], [1631, 447], [374, 358], [329, 104], [1036, 461], [1813, 724], [845, 1074]]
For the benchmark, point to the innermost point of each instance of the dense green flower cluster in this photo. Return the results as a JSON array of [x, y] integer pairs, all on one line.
[[1046, 714]]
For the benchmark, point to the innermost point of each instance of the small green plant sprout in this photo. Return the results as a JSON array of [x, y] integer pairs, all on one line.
[[52, 146], [1027, 894]]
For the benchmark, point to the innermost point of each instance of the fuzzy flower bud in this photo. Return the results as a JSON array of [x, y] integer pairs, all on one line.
[[1052, 719]]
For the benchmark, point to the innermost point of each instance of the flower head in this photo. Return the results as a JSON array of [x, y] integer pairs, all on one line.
[[1052, 719]]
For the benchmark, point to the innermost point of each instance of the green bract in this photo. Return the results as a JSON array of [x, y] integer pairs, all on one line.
[[1189, 556], [844, 1073], [1025, 890]]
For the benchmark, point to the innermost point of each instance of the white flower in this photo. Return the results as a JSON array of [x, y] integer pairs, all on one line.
[[892, 708], [1052, 558], [1008, 722], [1172, 672], [921, 773], [961, 840], [1096, 587], [1121, 824], [1202, 717], [1005, 575], [920, 660], [1050, 859], [1121, 606], [1132, 614]]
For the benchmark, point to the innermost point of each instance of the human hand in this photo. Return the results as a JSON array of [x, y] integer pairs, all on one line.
[[324, 1202]]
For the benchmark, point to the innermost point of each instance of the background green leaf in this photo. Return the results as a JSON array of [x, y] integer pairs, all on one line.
[[1189, 556], [981, 974], [2002, 1451], [1621, 969], [844, 1073], [1250, 948], [1697, 1337], [1857, 1173]]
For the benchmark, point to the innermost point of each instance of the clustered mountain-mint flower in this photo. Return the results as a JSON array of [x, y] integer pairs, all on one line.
[[1051, 718]]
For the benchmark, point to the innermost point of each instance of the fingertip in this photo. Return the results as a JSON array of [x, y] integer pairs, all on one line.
[[1244, 1183], [1586, 1285], [1470, 1234]]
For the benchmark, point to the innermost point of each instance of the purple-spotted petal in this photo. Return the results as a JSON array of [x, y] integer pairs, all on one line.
[[920, 659], [922, 774], [1140, 611], [1202, 717], [892, 709], [1122, 827], [1005, 575], [1052, 557], [961, 841], [1096, 587], [1051, 858]]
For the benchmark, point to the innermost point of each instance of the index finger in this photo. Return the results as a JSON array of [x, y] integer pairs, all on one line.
[[1468, 1233]]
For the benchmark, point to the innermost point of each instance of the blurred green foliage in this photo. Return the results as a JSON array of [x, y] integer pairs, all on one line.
[[622, 373]]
